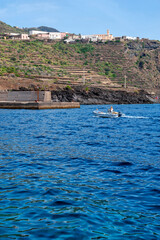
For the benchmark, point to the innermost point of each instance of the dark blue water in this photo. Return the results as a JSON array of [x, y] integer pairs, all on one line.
[[65, 174]]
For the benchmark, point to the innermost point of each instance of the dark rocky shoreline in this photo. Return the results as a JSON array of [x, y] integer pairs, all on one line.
[[100, 96]]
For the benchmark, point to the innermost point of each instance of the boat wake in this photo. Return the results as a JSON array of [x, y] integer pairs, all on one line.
[[128, 116]]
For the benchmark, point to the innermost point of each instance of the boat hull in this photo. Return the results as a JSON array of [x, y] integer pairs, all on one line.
[[107, 114]]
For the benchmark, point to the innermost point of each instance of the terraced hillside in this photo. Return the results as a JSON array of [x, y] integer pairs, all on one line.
[[48, 65]]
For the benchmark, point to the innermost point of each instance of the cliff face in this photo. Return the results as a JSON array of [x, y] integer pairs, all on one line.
[[100, 96]]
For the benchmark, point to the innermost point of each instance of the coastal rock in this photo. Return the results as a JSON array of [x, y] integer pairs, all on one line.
[[99, 96]]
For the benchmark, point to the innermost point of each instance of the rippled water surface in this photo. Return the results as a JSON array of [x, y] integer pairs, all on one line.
[[66, 174]]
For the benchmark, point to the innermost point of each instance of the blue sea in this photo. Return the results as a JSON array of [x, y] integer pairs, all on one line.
[[67, 174]]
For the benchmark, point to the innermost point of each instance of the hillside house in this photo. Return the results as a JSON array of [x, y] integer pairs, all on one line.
[[57, 35], [93, 38], [129, 38], [71, 38], [119, 39], [47, 35], [24, 36], [17, 36], [42, 36]]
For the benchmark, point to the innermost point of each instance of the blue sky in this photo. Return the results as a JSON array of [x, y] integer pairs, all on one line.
[[122, 17]]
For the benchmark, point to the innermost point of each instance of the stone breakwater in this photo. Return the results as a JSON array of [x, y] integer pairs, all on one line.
[[100, 96], [38, 105]]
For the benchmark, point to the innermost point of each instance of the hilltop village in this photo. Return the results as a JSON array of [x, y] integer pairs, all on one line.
[[67, 37]]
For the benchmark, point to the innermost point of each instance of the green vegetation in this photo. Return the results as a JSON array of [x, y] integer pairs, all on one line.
[[68, 87], [142, 60], [107, 68], [76, 47], [54, 62], [4, 70], [86, 89]]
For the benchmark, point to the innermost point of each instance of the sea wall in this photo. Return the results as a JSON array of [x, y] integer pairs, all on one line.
[[25, 96], [38, 105]]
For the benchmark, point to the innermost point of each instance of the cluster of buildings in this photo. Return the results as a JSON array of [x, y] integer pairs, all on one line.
[[47, 35], [67, 37], [98, 37], [34, 34]]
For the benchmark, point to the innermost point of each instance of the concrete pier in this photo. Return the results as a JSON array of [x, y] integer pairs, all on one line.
[[38, 105], [32, 100]]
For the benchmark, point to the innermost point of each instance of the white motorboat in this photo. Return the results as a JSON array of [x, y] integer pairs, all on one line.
[[107, 114]]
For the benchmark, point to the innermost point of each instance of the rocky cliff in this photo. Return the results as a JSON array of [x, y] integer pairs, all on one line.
[[100, 96]]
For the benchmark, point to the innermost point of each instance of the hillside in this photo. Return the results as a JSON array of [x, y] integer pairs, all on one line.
[[5, 28], [42, 28], [51, 65]]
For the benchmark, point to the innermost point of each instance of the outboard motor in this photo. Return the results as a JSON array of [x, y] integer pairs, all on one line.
[[119, 114]]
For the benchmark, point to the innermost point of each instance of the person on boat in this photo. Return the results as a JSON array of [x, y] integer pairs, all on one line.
[[110, 109]]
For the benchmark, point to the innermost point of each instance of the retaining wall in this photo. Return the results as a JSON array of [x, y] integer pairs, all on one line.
[[25, 96]]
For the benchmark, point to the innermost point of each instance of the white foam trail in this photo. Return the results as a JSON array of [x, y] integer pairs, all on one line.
[[127, 116]]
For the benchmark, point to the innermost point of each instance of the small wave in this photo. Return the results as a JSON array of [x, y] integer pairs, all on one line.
[[60, 203], [112, 171], [155, 190], [154, 207], [122, 164], [52, 192]]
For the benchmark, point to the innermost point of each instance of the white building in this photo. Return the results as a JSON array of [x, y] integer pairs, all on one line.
[[35, 32], [131, 38], [55, 35], [18, 36], [24, 36], [48, 35], [98, 37], [93, 38]]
